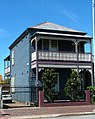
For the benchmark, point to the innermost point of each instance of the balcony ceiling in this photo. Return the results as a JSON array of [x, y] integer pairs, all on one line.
[[7, 58]]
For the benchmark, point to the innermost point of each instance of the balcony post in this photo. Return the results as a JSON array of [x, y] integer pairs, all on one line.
[[92, 75], [76, 49], [36, 46], [91, 50]]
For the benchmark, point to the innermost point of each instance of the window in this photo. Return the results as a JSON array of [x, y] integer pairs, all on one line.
[[57, 85], [13, 84], [46, 44], [12, 57], [73, 47], [50, 45], [54, 45]]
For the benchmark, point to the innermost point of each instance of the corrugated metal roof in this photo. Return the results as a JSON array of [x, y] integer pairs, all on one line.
[[52, 26]]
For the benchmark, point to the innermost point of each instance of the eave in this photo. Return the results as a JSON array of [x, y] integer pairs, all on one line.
[[61, 35]]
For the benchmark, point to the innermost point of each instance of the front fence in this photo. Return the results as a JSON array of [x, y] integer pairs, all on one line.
[[62, 96], [54, 104], [25, 94], [31, 94]]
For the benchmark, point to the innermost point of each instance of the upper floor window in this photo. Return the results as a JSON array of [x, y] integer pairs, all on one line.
[[12, 57], [50, 45], [46, 44], [54, 45]]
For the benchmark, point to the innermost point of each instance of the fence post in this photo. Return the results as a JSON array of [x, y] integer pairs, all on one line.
[[87, 92], [1, 101], [41, 98]]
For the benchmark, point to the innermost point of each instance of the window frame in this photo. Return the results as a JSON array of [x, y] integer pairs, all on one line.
[[13, 84], [57, 85], [50, 48], [43, 44], [13, 58]]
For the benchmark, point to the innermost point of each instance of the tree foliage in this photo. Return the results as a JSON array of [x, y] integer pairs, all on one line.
[[92, 93], [49, 81], [1, 80], [7, 81], [72, 87]]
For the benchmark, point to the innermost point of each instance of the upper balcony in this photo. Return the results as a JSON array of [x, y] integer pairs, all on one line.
[[7, 71], [61, 49], [62, 56], [7, 66]]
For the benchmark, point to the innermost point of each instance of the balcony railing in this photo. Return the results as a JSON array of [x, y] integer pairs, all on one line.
[[84, 57], [7, 70], [62, 56]]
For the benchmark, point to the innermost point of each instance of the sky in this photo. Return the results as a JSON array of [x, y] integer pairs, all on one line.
[[18, 15]]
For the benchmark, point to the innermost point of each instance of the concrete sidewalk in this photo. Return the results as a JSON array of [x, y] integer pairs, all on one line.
[[36, 112]]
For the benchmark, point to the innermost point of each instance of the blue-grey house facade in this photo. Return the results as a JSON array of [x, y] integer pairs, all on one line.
[[48, 45]]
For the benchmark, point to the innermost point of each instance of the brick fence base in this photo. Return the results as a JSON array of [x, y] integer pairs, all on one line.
[[42, 104]]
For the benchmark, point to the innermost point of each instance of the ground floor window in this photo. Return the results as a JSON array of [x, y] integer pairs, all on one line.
[[12, 84], [57, 85]]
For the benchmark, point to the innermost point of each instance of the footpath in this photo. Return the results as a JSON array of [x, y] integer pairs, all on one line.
[[36, 112]]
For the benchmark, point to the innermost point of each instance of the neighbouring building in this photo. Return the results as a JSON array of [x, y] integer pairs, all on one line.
[[1, 79], [7, 67], [48, 45]]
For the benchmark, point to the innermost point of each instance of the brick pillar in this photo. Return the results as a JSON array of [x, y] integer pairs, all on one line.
[[41, 98], [87, 92]]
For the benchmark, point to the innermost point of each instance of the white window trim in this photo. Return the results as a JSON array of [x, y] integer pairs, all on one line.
[[13, 61], [13, 84]]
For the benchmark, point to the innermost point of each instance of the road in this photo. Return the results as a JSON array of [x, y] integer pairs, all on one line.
[[74, 117]]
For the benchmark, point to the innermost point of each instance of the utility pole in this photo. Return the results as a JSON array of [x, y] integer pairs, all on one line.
[[93, 25]]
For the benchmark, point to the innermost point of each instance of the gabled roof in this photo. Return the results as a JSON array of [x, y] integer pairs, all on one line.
[[52, 26]]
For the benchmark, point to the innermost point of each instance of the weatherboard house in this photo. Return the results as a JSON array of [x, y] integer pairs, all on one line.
[[48, 45]]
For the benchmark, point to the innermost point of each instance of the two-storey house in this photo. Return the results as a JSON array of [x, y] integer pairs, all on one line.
[[48, 45]]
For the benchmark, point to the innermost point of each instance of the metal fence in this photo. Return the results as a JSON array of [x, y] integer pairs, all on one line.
[[61, 96], [30, 94], [25, 94]]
